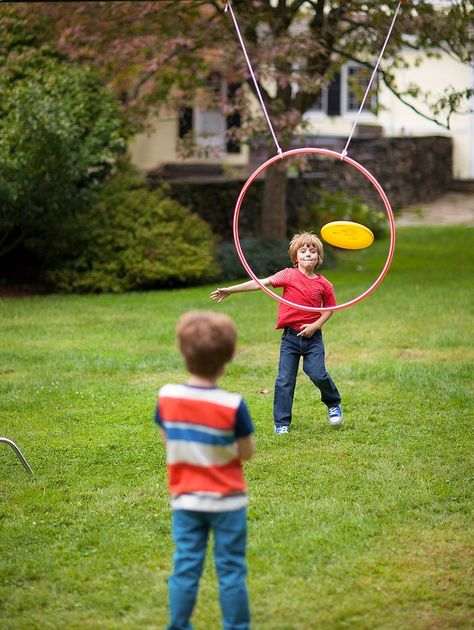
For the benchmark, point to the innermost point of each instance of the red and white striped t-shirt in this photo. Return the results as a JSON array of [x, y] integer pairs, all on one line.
[[202, 425], [300, 289]]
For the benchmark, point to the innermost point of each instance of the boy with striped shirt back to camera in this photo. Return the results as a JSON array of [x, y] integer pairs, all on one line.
[[208, 433]]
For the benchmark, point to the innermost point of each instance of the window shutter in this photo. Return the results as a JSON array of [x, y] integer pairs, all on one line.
[[233, 120], [334, 96], [185, 121]]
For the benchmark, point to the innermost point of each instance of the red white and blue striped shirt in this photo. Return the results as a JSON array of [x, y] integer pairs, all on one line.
[[202, 425]]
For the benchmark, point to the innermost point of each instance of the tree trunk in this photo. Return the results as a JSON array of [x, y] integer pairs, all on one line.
[[274, 216]]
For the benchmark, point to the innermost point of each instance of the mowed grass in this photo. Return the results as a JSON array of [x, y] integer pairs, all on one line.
[[369, 526]]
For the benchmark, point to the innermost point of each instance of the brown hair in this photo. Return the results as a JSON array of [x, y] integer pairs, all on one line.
[[308, 239], [206, 341]]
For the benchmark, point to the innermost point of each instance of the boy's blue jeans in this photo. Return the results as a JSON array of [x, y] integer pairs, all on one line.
[[312, 350], [190, 532]]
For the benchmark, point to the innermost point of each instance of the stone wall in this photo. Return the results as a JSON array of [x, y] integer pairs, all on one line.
[[410, 170]]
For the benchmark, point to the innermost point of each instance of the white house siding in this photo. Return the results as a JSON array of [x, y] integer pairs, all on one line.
[[434, 75], [159, 145], [397, 119]]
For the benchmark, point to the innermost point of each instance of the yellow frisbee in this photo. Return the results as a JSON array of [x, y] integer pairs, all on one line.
[[347, 235]]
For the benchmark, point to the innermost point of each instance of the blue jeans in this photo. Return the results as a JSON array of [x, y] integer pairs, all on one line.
[[312, 350], [190, 532]]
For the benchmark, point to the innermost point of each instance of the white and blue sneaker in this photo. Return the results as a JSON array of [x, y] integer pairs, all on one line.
[[335, 416], [281, 430]]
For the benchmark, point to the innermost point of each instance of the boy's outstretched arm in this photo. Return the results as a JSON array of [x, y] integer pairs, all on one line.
[[250, 285]]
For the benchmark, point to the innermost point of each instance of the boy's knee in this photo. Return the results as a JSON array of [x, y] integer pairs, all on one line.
[[317, 376]]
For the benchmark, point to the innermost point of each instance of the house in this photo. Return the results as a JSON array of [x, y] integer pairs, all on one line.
[[332, 117]]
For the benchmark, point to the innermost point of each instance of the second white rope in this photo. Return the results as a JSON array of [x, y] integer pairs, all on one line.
[[369, 85]]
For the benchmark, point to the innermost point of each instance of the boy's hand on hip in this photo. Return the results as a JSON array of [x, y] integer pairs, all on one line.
[[307, 330]]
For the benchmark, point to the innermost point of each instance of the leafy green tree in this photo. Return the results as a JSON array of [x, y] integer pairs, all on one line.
[[60, 134]]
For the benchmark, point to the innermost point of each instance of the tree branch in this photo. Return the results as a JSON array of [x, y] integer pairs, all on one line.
[[419, 112], [150, 74]]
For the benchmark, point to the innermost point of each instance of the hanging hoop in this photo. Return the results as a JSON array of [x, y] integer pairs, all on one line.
[[374, 183]]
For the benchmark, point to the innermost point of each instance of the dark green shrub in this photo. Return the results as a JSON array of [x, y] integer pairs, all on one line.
[[132, 238], [339, 206], [215, 203]]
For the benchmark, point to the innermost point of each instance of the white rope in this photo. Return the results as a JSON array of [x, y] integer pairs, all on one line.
[[344, 152], [229, 7]]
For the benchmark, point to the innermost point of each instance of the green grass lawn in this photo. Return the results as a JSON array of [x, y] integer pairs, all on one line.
[[369, 526]]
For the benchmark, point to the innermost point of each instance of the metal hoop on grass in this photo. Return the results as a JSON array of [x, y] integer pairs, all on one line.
[[343, 158], [19, 454]]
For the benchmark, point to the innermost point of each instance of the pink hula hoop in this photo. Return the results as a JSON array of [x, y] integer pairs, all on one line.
[[372, 180]]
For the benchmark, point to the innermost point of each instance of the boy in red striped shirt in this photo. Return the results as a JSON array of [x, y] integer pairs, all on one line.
[[208, 433], [302, 336]]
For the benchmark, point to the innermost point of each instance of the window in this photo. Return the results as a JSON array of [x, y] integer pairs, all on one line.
[[357, 80], [207, 122], [328, 100], [320, 104], [345, 92]]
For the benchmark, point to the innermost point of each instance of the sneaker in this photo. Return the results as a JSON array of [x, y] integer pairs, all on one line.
[[281, 430], [335, 416]]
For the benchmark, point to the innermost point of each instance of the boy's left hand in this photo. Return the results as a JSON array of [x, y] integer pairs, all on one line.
[[307, 330]]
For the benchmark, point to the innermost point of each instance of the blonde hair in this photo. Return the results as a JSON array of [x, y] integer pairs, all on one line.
[[310, 240], [207, 341]]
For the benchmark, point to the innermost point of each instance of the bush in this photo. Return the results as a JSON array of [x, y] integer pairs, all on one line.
[[339, 206], [133, 238]]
